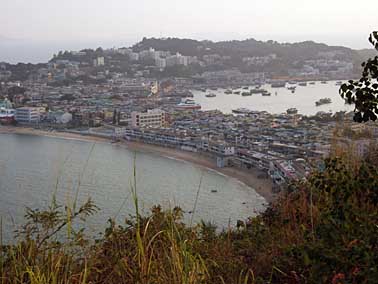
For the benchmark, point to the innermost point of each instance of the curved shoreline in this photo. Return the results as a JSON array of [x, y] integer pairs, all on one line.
[[248, 177]]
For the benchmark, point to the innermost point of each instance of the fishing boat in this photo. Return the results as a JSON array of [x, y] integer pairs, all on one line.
[[292, 110], [323, 101], [210, 95], [241, 111], [257, 91], [188, 104]]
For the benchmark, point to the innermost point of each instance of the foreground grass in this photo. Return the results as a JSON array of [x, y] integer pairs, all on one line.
[[324, 230]]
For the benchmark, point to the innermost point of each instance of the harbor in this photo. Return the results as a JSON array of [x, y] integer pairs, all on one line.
[[276, 99]]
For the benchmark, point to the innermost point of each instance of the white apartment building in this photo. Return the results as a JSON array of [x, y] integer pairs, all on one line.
[[133, 56], [177, 59], [149, 54], [27, 115], [161, 62], [152, 118], [99, 61], [124, 51]]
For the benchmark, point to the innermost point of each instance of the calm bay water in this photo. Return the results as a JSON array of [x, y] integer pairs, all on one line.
[[33, 167], [281, 99]]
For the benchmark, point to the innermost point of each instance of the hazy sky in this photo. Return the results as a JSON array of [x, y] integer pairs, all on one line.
[[31, 28]]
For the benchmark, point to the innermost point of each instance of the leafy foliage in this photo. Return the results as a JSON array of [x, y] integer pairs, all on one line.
[[364, 92]]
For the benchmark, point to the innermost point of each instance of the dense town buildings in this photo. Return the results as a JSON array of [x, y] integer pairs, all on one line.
[[127, 94]]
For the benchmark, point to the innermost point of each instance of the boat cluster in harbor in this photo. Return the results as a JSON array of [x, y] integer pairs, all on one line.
[[246, 111], [243, 91], [256, 88], [267, 89]]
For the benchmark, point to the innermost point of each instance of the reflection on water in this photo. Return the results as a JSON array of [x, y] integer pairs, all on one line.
[[32, 168]]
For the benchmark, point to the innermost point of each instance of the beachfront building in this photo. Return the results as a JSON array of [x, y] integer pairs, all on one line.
[[152, 118], [27, 115], [119, 132], [59, 117]]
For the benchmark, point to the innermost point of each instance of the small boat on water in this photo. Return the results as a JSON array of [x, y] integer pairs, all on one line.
[[312, 83], [241, 111], [292, 110], [278, 84], [257, 91], [210, 95], [188, 104], [323, 101]]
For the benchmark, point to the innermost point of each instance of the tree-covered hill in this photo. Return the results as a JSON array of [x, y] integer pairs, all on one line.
[[248, 47]]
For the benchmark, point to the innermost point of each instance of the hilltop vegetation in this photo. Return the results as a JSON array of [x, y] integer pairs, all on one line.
[[288, 52], [231, 54], [242, 48], [250, 55], [323, 230]]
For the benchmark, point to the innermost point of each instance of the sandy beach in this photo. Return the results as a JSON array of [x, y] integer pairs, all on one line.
[[262, 186]]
